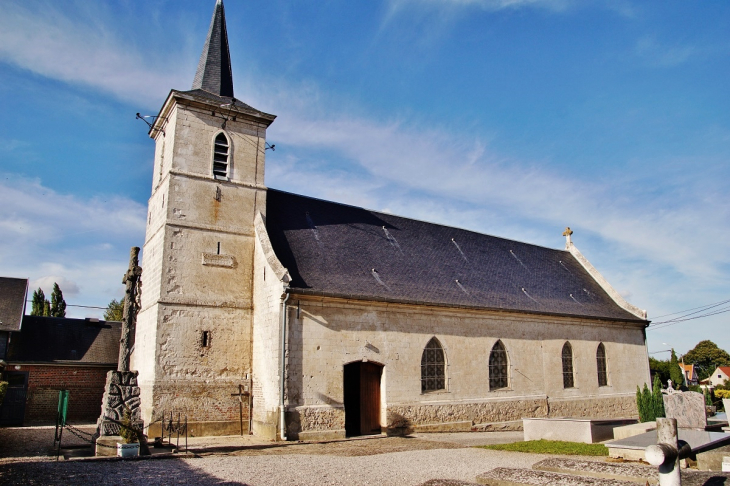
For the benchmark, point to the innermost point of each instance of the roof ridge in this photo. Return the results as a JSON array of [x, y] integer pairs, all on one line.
[[420, 220]]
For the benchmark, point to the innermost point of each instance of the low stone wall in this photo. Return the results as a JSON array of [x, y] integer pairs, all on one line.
[[492, 415], [609, 407], [404, 418], [304, 420]]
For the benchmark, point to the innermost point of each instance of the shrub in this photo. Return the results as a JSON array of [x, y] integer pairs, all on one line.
[[650, 403], [127, 434], [3, 389], [657, 398], [722, 393]]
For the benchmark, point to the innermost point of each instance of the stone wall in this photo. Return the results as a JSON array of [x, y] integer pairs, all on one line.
[[268, 292], [325, 334], [303, 420], [615, 407], [404, 419], [194, 331]]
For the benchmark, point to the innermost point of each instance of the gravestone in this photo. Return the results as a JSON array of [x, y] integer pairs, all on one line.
[[687, 407]]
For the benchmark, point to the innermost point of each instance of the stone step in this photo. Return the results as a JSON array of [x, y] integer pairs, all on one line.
[[503, 476], [637, 473]]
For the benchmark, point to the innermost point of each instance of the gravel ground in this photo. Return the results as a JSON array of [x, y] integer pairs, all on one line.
[[396, 468], [26, 458]]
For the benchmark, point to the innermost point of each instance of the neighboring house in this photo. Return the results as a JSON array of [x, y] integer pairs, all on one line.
[[51, 354], [344, 321], [690, 374], [718, 376], [13, 294]]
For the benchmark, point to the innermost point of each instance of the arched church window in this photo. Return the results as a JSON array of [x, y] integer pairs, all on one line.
[[433, 367], [601, 365], [220, 157], [567, 366], [498, 377]]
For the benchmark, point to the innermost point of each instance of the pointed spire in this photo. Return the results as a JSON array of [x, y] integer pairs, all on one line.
[[214, 68]]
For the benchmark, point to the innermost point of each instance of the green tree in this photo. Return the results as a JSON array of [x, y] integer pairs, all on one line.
[[660, 369], [675, 372], [706, 356], [58, 305], [38, 302], [47, 309], [657, 398], [647, 401], [708, 397], [115, 310]]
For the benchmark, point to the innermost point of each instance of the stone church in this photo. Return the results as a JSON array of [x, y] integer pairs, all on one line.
[[291, 317]]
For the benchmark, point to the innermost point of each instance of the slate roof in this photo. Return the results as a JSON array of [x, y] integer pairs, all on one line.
[[345, 251], [13, 293], [214, 68], [64, 340]]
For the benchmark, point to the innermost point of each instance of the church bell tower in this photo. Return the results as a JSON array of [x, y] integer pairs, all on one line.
[[193, 335]]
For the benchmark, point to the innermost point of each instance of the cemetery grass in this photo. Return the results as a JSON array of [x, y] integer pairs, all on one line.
[[552, 447]]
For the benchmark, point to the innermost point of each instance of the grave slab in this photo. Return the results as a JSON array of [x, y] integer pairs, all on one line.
[[503, 476], [632, 430], [587, 430], [637, 473], [701, 441]]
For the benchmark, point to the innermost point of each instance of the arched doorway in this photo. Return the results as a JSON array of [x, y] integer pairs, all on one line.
[[362, 398]]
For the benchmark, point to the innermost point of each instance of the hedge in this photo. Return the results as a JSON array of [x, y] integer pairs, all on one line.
[[3, 389]]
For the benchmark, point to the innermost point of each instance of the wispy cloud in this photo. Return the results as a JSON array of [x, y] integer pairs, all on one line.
[[399, 159], [68, 42], [396, 5], [82, 244], [657, 54]]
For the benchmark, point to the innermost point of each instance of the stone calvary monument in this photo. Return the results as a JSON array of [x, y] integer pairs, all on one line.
[[121, 394]]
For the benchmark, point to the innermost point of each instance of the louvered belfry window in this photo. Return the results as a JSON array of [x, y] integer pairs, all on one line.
[[567, 366], [601, 365], [498, 377], [433, 367], [220, 157]]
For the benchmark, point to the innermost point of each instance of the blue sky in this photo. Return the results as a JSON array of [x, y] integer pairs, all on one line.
[[510, 117]]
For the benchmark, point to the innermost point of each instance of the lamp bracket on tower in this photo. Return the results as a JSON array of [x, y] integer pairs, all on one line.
[[154, 119]]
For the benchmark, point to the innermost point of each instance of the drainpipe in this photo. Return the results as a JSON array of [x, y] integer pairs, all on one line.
[[282, 379]]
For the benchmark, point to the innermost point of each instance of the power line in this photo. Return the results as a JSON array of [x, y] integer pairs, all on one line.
[[693, 308], [76, 305], [685, 318], [682, 317]]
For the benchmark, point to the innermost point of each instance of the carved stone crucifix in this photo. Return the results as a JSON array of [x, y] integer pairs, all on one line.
[[131, 307]]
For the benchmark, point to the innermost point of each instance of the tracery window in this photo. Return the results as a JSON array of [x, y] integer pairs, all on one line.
[[433, 367], [601, 365], [567, 366], [498, 369], [220, 157]]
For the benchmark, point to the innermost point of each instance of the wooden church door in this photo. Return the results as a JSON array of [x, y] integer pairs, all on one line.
[[362, 398]]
